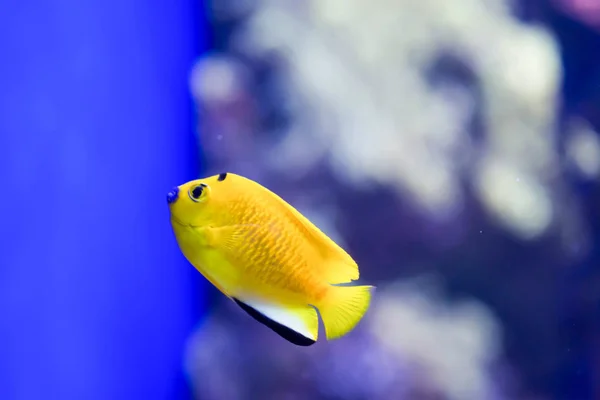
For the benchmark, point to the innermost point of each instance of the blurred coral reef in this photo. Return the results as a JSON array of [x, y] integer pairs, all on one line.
[[427, 138]]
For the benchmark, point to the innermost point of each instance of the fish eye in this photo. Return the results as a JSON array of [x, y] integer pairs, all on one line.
[[197, 191]]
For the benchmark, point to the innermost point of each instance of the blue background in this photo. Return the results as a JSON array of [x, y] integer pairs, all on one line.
[[96, 125]]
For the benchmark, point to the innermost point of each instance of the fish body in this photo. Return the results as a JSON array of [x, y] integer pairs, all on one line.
[[266, 256]]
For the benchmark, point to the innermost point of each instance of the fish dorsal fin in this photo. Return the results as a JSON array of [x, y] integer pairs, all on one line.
[[339, 266], [297, 324]]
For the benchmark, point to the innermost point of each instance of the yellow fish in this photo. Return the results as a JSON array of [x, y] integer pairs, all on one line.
[[267, 257]]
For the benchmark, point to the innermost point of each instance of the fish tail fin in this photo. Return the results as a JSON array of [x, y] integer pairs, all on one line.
[[343, 308]]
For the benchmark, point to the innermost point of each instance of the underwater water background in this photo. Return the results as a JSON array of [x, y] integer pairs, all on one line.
[[451, 148]]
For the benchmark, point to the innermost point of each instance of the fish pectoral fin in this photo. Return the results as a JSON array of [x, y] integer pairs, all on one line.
[[296, 324], [229, 237]]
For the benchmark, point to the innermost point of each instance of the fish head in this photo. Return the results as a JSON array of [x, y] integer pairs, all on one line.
[[199, 202]]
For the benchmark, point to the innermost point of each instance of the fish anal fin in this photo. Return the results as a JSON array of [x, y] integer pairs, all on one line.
[[296, 324]]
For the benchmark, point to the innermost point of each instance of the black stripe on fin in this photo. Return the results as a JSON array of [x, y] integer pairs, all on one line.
[[288, 334], [222, 176]]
